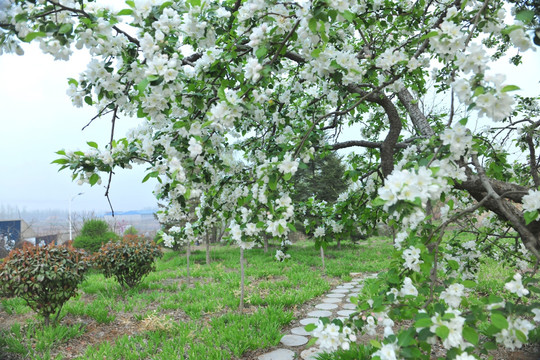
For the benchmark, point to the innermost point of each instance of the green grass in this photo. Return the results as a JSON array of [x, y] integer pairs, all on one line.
[[203, 317]]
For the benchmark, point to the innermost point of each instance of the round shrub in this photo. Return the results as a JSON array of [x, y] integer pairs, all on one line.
[[128, 260], [45, 277], [94, 234]]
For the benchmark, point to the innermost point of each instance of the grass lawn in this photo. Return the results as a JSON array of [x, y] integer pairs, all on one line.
[[167, 318]]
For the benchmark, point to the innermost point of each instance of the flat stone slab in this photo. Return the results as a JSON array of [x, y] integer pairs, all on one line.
[[339, 291], [346, 312], [334, 295], [294, 340], [300, 331], [356, 275], [325, 306], [332, 300], [349, 306], [309, 321], [311, 353], [279, 354], [320, 313]]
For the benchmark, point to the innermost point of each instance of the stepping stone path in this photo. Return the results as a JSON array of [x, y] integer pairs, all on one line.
[[336, 304]]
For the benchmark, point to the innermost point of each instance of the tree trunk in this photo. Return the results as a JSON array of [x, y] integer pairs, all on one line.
[[207, 240], [265, 243], [339, 244], [322, 259], [188, 252], [242, 278]]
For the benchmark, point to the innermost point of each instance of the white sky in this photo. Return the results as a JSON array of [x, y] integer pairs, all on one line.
[[37, 119]]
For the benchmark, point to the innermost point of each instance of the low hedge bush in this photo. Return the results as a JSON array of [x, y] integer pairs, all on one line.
[[128, 260], [45, 277]]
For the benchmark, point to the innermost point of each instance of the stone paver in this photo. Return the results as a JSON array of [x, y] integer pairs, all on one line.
[[325, 306], [294, 340], [335, 295], [300, 331], [311, 353], [279, 354], [320, 313], [336, 304], [346, 312], [309, 321], [331, 300]]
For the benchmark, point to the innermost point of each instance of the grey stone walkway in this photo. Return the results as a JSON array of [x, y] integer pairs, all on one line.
[[336, 303]]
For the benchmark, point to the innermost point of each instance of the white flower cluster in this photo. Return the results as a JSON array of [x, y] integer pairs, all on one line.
[[412, 258], [387, 352], [455, 327], [281, 256], [452, 295], [508, 337], [319, 232], [459, 140], [516, 287], [330, 337], [531, 201], [408, 288], [409, 185]]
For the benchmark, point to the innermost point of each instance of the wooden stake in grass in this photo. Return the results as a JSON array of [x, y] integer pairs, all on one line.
[[207, 241], [188, 252], [322, 258], [242, 277]]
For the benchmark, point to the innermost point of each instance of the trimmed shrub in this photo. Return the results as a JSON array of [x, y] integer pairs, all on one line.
[[128, 260], [94, 234], [45, 277]]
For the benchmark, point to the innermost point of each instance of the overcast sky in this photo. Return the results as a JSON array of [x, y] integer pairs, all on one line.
[[37, 119]]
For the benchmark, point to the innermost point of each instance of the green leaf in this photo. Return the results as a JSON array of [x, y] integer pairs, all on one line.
[[31, 36], [291, 227], [310, 327], [464, 121], [124, 12], [348, 15], [378, 202], [272, 182], [424, 322], [316, 52], [66, 29], [60, 161], [499, 321], [507, 30], [508, 88], [165, 4], [88, 100], [142, 85], [479, 91], [429, 35], [406, 338], [521, 336], [490, 346], [93, 179], [375, 344], [261, 52], [442, 332], [530, 216], [312, 24], [92, 144], [469, 284], [525, 16], [470, 335]]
